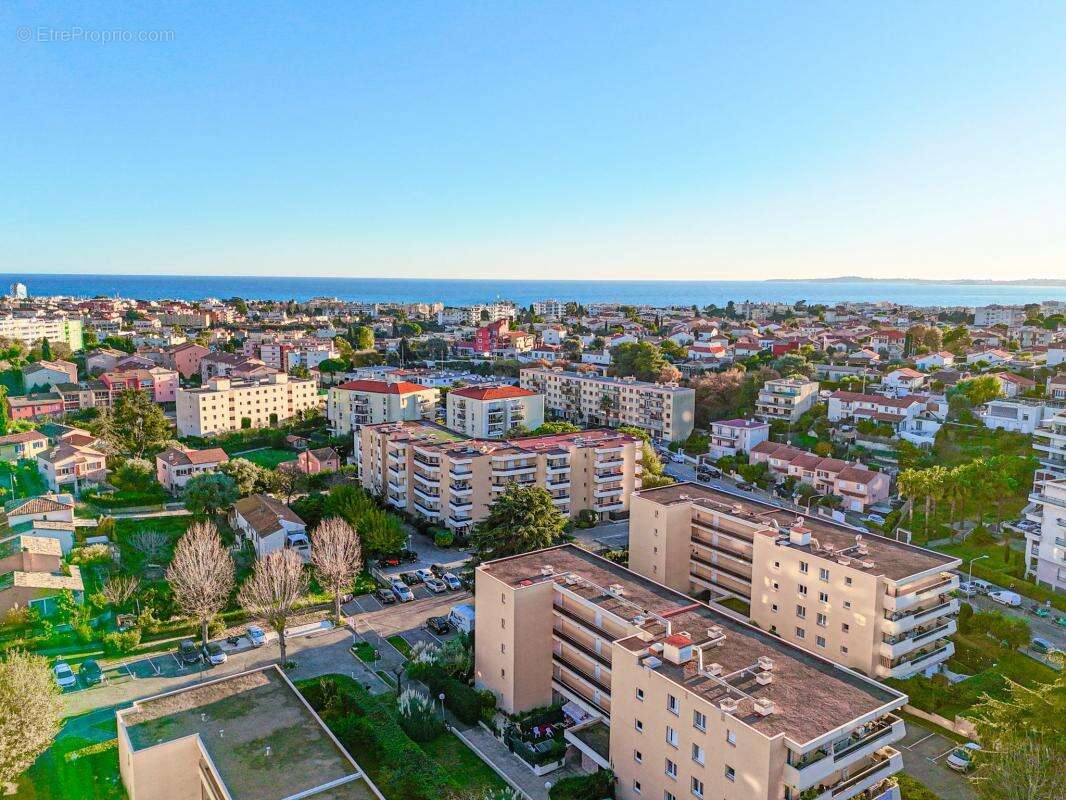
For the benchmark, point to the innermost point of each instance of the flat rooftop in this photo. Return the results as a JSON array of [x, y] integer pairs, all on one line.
[[264, 741], [812, 696], [894, 560]]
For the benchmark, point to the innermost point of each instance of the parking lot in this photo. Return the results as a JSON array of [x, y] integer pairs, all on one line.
[[923, 758]]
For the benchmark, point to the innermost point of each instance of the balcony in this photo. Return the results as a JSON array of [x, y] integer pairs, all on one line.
[[607, 505], [460, 489], [609, 491], [719, 547], [459, 474], [885, 762], [606, 477], [460, 505], [586, 675], [908, 596], [561, 500], [714, 565], [573, 640], [429, 497], [426, 511], [456, 523], [903, 621], [610, 463], [917, 662], [588, 625], [398, 486], [558, 485], [521, 469], [397, 502], [573, 689]]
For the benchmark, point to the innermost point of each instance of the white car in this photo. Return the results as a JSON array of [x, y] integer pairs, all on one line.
[[961, 758], [256, 636], [453, 582], [436, 585], [425, 575], [64, 675], [1006, 598], [877, 519], [402, 591], [214, 653], [677, 458]]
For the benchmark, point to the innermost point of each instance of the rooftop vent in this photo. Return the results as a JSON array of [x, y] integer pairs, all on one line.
[[547, 570], [728, 705], [867, 564], [714, 669], [844, 560], [766, 663], [651, 662], [764, 706], [798, 534], [764, 678], [617, 589]]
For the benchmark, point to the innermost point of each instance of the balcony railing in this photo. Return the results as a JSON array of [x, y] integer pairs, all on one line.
[[573, 641]]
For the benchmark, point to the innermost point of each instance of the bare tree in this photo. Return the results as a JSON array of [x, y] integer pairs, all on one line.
[[271, 591], [118, 589], [153, 545], [201, 574], [29, 712], [336, 554]]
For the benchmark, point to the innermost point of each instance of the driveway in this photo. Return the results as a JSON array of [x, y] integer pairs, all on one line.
[[923, 758], [605, 536]]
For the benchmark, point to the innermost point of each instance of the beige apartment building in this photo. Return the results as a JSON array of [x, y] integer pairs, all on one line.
[[438, 474], [679, 699], [249, 736], [222, 404], [490, 412], [868, 602], [665, 410], [786, 398], [369, 402]]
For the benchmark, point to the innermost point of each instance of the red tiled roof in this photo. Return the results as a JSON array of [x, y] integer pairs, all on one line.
[[492, 392], [383, 387]]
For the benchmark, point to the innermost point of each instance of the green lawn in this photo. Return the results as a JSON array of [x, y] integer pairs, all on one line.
[[999, 572], [74, 769], [365, 652], [269, 458], [464, 764], [400, 644], [736, 604]]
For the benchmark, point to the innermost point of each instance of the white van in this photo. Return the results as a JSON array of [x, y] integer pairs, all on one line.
[[462, 617], [1006, 598]]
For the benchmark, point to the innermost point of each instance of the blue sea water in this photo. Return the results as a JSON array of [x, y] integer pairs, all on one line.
[[466, 292]]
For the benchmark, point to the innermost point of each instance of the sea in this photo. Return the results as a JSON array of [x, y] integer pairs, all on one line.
[[469, 292]]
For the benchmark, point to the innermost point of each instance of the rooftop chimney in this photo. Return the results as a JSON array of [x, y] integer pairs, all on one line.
[[677, 648]]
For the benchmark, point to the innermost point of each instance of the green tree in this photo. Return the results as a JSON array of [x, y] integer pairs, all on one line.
[[137, 425], [247, 476], [210, 493], [642, 360], [5, 423], [523, 518], [46, 350], [551, 428], [381, 532], [362, 337]]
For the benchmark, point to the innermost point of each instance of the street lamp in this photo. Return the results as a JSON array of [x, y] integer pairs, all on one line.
[[441, 698], [969, 580]]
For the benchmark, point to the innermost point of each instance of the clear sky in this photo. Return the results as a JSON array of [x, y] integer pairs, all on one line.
[[584, 139]]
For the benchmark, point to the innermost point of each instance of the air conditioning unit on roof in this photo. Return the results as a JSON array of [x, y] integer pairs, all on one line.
[[764, 706], [728, 705]]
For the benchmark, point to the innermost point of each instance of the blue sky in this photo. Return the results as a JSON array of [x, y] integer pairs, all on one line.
[[551, 140]]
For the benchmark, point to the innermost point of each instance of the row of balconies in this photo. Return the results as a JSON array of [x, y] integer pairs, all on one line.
[[816, 767], [902, 621], [901, 644]]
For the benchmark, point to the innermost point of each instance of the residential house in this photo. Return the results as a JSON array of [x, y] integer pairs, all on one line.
[[1012, 385], [732, 436], [27, 444], [175, 466], [45, 373], [35, 406], [858, 487], [33, 575], [71, 466], [45, 507], [904, 381], [186, 358], [268, 525], [933, 361], [312, 462]]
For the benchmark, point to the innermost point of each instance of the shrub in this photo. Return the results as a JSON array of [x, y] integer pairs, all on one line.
[[119, 644], [418, 717], [443, 538], [596, 786], [90, 554], [84, 632]]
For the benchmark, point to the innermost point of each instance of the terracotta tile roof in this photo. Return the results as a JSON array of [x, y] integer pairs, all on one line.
[[383, 387], [180, 457], [265, 514], [43, 504], [21, 438], [492, 392]]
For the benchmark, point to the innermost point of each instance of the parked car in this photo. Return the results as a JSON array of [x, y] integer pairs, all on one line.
[[89, 673], [409, 556], [411, 578], [452, 581], [188, 652], [438, 625], [385, 596], [424, 574], [438, 569], [436, 585], [744, 486], [389, 561], [706, 472], [1041, 645], [976, 587], [402, 592], [64, 675], [1006, 598], [677, 458], [877, 519], [961, 758], [256, 636], [214, 653]]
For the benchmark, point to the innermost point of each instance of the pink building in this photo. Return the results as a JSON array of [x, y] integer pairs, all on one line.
[[160, 383], [856, 485], [32, 406], [311, 462], [185, 358]]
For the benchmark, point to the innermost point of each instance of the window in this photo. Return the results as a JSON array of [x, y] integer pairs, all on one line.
[[804, 567], [801, 612], [802, 589], [823, 574], [800, 633], [672, 705], [820, 640], [775, 586], [730, 773], [844, 649], [638, 756], [844, 627], [847, 580], [697, 754], [503, 673], [640, 695], [777, 565], [823, 597], [822, 620], [669, 796], [731, 738], [671, 736], [636, 786], [671, 768], [847, 604], [697, 787], [773, 607], [638, 725], [699, 720]]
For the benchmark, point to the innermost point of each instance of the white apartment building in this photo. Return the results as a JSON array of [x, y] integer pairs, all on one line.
[[732, 436], [665, 410], [987, 316], [867, 602], [1019, 416], [489, 412], [549, 309], [678, 698], [224, 404], [786, 398], [370, 402], [1046, 540], [30, 330]]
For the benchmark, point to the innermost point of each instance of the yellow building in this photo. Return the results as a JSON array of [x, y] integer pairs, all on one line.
[[223, 404]]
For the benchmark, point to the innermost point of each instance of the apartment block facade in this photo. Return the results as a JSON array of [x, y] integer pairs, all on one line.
[[30, 330], [732, 436], [222, 404], [678, 699], [431, 471], [665, 411], [489, 412], [786, 399], [371, 402], [1045, 538], [864, 601]]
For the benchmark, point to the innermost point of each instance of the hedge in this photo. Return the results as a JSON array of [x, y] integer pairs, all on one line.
[[596, 786], [460, 699]]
